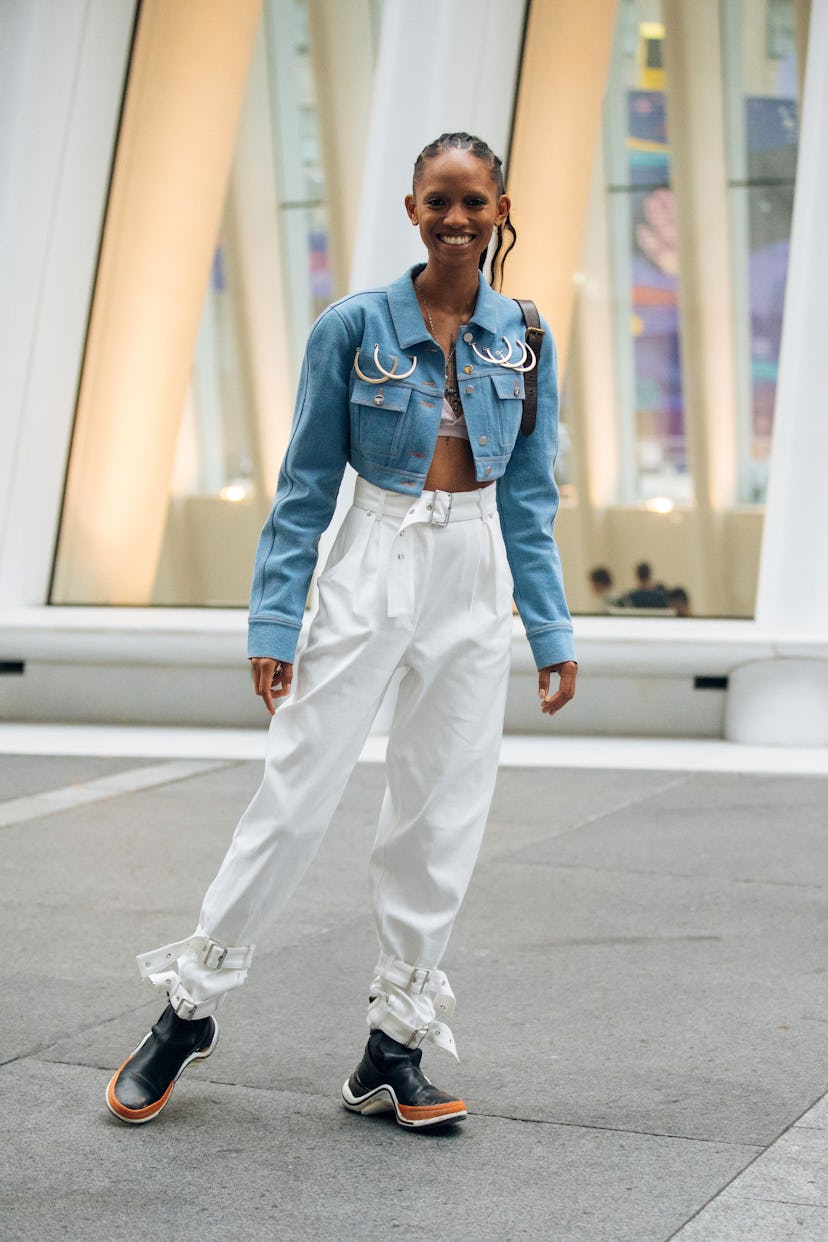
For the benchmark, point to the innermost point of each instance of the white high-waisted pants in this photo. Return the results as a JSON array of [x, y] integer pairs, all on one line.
[[416, 584]]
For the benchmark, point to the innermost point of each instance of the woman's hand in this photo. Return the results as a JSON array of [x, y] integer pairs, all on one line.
[[272, 679], [567, 672]]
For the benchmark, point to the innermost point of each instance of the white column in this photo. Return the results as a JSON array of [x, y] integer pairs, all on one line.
[[61, 78], [442, 65], [785, 700]]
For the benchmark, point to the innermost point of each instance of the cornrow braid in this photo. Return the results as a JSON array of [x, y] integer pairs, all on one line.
[[482, 151]]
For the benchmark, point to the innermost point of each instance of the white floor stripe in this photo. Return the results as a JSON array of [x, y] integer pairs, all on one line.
[[665, 754], [34, 806]]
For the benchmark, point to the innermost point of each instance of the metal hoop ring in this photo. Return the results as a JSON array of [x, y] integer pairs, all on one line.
[[392, 374], [530, 352], [366, 378]]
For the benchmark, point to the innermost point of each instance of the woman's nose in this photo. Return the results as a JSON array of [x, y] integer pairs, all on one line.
[[455, 217]]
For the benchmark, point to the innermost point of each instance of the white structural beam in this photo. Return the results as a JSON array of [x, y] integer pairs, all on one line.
[[442, 65], [786, 701], [61, 79]]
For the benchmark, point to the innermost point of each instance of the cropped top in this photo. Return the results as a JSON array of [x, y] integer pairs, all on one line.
[[452, 424]]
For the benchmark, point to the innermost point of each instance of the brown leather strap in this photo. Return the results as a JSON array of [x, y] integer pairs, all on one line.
[[534, 339]]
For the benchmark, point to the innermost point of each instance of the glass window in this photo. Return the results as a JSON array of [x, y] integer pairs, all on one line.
[[644, 247], [761, 90]]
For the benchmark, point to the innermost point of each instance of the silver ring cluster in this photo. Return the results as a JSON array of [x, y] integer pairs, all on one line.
[[502, 360]]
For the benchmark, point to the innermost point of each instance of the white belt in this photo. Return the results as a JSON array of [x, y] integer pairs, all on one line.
[[431, 508]]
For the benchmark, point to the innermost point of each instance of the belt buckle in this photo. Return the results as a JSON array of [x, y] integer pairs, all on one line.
[[444, 510]]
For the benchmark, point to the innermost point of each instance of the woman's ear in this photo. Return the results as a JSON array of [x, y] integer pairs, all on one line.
[[411, 208], [504, 204]]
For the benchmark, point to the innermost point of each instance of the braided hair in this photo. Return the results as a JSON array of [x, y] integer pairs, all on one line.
[[481, 151]]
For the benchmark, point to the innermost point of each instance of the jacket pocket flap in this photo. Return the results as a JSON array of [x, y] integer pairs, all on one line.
[[508, 385], [386, 396]]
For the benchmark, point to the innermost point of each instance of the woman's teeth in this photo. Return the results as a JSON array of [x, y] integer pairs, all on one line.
[[457, 241]]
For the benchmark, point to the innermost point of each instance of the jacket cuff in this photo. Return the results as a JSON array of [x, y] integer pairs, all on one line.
[[272, 640], [552, 646]]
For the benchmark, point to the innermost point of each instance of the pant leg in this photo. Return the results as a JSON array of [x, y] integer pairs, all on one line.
[[314, 742], [441, 770]]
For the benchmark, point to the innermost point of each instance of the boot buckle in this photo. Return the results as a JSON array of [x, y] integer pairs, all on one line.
[[417, 980], [184, 1008], [214, 955]]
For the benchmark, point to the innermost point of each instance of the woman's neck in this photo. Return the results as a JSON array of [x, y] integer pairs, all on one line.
[[453, 294]]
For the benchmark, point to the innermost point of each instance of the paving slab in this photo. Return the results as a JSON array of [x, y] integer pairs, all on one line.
[[23, 775], [731, 1219], [684, 1005], [817, 1117], [741, 827], [544, 803], [228, 1162]]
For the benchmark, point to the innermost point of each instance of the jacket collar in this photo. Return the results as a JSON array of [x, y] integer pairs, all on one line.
[[408, 318]]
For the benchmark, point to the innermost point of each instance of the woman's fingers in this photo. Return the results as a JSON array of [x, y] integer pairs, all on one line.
[[567, 673], [272, 679]]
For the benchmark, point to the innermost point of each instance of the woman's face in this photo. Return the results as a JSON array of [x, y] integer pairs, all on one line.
[[456, 206]]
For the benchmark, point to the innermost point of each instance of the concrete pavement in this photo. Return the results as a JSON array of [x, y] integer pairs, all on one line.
[[640, 972]]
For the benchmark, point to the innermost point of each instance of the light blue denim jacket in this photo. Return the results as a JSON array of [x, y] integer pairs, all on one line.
[[388, 432]]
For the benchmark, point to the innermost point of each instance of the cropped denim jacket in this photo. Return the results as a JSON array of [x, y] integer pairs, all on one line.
[[388, 433]]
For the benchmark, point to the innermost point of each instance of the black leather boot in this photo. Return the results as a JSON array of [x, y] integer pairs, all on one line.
[[389, 1077], [144, 1083]]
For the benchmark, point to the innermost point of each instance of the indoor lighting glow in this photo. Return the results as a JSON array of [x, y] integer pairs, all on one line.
[[660, 504], [233, 492]]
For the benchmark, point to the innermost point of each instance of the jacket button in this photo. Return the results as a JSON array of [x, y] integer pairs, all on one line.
[[488, 470], [467, 370], [483, 440], [468, 337], [469, 389]]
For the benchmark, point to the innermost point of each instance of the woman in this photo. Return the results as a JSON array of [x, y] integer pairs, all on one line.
[[420, 387]]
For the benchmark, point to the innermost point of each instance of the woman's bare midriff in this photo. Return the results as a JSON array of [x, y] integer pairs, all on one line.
[[452, 467]]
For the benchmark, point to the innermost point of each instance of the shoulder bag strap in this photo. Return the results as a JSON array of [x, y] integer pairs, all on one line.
[[534, 339]]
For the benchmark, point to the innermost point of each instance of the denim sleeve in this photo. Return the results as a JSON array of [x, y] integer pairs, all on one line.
[[527, 498], [306, 493]]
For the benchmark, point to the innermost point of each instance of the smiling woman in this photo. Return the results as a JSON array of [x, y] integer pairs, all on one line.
[[414, 386]]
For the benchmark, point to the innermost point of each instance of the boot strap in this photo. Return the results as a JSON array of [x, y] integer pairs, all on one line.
[[416, 980], [438, 1033], [212, 955]]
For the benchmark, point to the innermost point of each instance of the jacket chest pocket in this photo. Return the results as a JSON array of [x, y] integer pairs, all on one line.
[[508, 401], [377, 412]]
